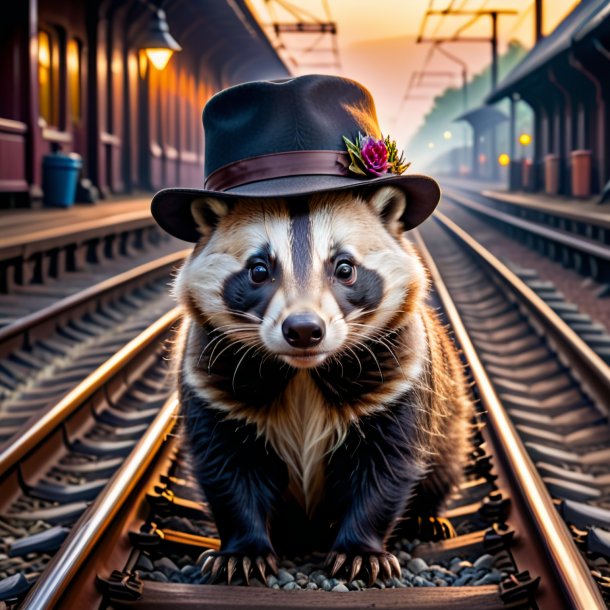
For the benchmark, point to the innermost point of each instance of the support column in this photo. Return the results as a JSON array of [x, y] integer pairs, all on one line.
[[538, 160], [514, 178], [475, 153], [30, 95], [598, 115]]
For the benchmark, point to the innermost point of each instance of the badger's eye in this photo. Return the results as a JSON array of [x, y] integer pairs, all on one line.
[[259, 273], [345, 272]]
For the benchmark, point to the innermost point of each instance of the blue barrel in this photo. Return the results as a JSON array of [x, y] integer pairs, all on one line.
[[60, 177]]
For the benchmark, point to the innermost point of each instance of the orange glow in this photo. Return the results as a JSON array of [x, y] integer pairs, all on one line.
[[482, 158], [74, 84], [44, 50], [142, 63], [159, 58], [45, 79], [73, 56]]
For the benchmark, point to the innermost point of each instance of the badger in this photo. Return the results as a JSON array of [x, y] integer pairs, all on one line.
[[322, 399]]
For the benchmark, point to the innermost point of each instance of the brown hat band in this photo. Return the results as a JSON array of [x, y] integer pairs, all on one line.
[[279, 165]]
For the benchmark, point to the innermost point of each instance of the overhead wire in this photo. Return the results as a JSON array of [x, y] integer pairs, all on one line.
[[301, 14], [430, 53], [521, 19], [297, 11]]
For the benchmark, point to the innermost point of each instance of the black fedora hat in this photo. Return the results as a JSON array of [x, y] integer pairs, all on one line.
[[288, 138]]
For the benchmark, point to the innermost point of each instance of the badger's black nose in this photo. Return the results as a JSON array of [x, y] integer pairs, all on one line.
[[305, 329]]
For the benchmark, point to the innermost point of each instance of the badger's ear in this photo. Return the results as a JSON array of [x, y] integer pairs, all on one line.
[[207, 212], [390, 203]]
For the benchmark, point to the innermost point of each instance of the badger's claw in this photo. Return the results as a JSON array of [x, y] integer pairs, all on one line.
[[272, 563], [374, 569], [260, 564], [231, 567], [219, 566], [386, 568], [246, 563], [339, 561], [394, 564], [374, 564], [356, 565], [218, 562]]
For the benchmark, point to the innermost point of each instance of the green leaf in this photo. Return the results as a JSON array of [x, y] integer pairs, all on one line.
[[353, 150], [355, 169]]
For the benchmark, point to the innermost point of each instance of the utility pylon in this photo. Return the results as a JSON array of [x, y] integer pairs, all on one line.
[[493, 39]]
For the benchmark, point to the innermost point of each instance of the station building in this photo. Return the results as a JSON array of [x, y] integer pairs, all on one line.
[[77, 78], [564, 80]]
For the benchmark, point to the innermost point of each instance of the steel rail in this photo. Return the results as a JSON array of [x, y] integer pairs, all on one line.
[[89, 530], [62, 306], [590, 369], [559, 236], [572, 572], [76, 398]]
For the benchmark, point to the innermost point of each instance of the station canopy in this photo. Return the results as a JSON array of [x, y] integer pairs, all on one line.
[[483, 118], [227, 37], [582, 20]]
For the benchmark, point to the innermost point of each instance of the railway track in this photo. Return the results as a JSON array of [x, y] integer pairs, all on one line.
[[58, 465], [554, 387], [45, 354], [577, 241], [139, 541]]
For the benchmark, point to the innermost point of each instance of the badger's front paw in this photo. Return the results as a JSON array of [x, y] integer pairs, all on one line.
[[367, 562], [222, 566]]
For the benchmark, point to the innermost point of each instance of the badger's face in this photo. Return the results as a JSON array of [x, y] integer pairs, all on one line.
[[303, 280]]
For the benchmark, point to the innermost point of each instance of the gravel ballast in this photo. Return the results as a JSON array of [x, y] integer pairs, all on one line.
[[312, 575]]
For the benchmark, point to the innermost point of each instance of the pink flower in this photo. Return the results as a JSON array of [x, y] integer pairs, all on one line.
[[375, 155]]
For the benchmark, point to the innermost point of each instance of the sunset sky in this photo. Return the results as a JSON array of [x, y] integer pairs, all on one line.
[[376, 45]]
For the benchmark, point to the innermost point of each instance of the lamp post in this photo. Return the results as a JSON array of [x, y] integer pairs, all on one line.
[[525, 139], [156, 41]]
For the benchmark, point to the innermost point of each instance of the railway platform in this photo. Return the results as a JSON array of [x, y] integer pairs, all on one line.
[[558, 205], [21, 224]]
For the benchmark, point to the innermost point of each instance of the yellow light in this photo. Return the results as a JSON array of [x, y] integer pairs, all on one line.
[[503, 159], [44, 51], [447, 135], [142, 63], [430, 144], [74, 83], [525, 139], [159, 57], [73, 57]]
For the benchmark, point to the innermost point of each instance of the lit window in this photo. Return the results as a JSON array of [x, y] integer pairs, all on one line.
[[44, 76], [74, 79], [48, 78]]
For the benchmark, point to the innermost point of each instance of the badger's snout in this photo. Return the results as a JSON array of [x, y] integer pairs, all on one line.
[[304, 329]]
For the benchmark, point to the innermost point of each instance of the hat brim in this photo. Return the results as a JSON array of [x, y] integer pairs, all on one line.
[[171, 208]]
